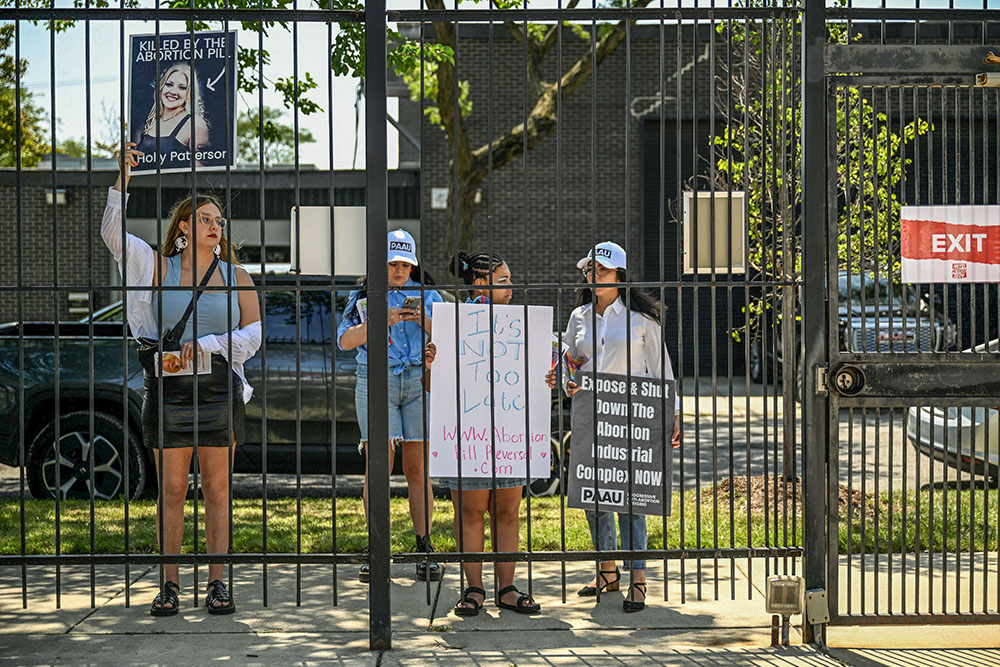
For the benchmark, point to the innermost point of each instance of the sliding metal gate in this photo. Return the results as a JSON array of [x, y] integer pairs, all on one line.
[[913, 500]]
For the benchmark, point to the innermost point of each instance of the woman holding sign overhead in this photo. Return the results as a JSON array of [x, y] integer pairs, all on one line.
[[474, 497], [193, 345], [408, 327], [626, 341]]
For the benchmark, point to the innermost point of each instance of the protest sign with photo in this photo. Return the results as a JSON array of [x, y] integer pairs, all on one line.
[[623, 440], [490, 407], [182, 101]]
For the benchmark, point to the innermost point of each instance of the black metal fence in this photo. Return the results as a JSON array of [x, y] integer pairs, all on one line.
[[691, 136]]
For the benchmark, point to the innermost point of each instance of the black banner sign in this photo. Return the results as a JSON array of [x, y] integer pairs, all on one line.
[[624, 441]]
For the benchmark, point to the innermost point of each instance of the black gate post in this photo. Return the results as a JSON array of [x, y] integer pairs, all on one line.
[[814, 325], [379, 620]]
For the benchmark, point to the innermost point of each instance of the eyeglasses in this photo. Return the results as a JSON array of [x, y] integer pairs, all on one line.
[[601, 270], [208, 221]]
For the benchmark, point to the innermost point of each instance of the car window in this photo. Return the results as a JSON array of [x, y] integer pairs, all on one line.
[[112, 313], [313, 316], [868, 291]]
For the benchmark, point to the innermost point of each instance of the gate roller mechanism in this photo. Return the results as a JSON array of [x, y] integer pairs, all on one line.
[[849, 380]]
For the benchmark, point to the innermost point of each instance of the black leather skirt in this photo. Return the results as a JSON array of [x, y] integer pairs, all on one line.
[[173, 411]]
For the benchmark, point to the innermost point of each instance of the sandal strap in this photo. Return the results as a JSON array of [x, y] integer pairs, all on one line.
[[218, 591], [609, 580], [520, 600], [167, 595], [469, 591], [508, 589]]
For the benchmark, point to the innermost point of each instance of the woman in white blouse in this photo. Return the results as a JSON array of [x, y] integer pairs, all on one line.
[[623, 335], [226, 327]]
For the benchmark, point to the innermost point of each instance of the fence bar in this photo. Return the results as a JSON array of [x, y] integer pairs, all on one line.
[[815, 427], [376, 213]]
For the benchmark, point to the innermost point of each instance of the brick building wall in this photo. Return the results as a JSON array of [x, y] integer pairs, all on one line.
[[543, 211], [58, 254]]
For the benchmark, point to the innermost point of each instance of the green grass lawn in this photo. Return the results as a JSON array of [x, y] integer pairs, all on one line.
[[953, 520]]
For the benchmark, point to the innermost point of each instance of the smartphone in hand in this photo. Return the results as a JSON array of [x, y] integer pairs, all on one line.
[[411, 303]]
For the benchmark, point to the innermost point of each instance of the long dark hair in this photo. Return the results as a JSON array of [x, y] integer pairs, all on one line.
[[477, 265], [638, 301]]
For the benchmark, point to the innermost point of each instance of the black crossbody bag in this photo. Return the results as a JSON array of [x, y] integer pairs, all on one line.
[[171, 340]]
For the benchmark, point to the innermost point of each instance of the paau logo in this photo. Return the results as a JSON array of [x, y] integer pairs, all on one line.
[[400, 245], [606, 496], [604, 252]]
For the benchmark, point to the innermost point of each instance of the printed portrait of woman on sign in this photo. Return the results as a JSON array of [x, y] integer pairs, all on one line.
[[181, 113], [182, 101]]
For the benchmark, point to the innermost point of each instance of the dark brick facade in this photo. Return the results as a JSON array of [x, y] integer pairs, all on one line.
[[59, 253], [543, 211]]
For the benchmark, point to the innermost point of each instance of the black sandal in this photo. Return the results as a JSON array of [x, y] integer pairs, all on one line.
[[461, 610], [217, 592], [427, 570], [609, 584], [520, 606], [633, 605], [167, 595]]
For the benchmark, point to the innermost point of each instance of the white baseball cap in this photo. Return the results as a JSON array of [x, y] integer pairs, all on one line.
[[402, 247], [609, 254]]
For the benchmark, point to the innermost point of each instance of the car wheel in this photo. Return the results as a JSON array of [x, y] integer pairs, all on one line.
[[759, 371], [77, 444], [559, 458]]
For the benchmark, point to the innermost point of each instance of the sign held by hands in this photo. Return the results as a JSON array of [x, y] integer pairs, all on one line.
[[490, 407]]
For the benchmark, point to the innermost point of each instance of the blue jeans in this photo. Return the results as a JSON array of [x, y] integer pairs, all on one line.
[[602, 532], [406, 404]]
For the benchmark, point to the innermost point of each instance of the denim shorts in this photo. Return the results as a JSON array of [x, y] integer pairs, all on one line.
[[406, 404], [480, 483]]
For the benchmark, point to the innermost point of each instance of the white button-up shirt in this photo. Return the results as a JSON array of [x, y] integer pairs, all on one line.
[[618, 334], [137, 268]]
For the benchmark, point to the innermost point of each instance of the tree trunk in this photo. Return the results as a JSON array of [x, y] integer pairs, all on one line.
[[471, 167]]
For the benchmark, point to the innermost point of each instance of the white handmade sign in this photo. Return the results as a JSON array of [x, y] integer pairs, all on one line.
[[490, 406], [950, 244]]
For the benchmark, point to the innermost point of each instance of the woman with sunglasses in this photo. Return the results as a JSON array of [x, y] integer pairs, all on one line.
[[622, 334], [223, 324]]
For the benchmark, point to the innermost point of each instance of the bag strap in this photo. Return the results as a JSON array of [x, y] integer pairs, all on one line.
[[178, 328]]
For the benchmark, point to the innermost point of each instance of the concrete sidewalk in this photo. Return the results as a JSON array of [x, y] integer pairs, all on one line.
[[577, 631]]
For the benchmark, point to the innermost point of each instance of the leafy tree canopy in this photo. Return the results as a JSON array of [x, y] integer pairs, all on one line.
[[278, 139]]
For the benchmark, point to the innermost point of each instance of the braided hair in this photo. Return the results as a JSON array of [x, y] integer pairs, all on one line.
[[477, 265]]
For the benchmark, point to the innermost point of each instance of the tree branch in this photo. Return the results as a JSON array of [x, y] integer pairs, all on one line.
[[447, 96], [515, 29], [550, 36], [541, 122]]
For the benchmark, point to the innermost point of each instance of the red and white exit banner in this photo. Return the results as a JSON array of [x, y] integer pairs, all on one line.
[[951, 244]]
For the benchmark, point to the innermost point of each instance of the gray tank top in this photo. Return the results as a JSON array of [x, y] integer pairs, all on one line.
[[211, 308]]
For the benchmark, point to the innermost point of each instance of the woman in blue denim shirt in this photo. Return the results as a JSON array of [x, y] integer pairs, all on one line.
[[409, 329]]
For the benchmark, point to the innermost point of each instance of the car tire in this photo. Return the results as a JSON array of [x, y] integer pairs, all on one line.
[[559, 456], [760, 371], [76, 443]]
